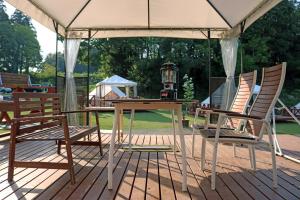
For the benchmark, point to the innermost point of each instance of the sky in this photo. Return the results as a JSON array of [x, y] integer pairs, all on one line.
[[46, 37]]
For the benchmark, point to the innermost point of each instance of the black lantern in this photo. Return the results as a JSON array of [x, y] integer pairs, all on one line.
[[169, 75]]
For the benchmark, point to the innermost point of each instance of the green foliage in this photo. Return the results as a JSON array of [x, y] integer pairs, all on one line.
[[188, 91], [188, 88], [19, 48]]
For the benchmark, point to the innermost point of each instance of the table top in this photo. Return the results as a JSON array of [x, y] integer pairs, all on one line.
[[145, 101]]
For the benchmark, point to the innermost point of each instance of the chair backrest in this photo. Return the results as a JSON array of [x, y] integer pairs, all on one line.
[[36, 105], [271, 86], [12, 80], [242, 97]]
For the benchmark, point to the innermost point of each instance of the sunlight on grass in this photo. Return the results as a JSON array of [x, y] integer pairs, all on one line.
[[142, 120]]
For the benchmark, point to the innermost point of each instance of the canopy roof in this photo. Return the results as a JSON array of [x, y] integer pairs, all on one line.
[[133, 18], [118, 81]]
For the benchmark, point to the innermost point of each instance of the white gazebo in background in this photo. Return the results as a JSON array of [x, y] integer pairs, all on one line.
[[113, 83]]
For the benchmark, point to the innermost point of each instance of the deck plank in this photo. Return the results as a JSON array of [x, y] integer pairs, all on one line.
[[193, 187], [150, 175], [56, 184], [175, 173], [166, 184], [139, 185], [118, 173]]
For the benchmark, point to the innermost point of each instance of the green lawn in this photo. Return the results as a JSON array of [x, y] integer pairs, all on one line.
[[162, 119], [142, 120], [288, 128]]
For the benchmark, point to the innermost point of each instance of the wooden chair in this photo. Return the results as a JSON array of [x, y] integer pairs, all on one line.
[[38, 117], [257, 122], [239, 104]]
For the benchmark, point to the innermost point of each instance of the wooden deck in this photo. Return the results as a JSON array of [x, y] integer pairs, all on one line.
[[150, 175]]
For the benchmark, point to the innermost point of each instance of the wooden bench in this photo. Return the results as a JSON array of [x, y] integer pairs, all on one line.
[[47, 122]]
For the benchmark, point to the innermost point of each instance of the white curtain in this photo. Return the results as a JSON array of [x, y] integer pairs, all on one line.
[[71, 52], [229, 55]]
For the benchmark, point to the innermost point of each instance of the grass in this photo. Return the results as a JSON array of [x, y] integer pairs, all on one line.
[[288, 128], [142, 120], [162, 119]]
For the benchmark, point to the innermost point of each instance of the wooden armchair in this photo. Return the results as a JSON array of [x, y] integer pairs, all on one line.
[[257, 122], [38, 117], [239, 104]]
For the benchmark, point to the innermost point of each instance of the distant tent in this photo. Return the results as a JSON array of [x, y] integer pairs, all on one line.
[[297, 105], [218, 94], [108, 90], [112, 84]]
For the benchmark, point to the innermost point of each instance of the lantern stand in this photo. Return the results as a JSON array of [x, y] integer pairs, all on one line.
[[169, 74]]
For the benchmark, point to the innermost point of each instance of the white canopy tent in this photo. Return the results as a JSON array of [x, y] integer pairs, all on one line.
[[133, 18], [115, 81], [200, 19]]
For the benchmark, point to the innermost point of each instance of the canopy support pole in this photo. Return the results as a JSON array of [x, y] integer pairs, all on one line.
[[56, 56], [242, 31], [88, 78], [209, 71]]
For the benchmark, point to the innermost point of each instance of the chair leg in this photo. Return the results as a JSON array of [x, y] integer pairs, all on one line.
[[58, 146], [70, 161], [214, 165], [12, 153], [253, 157], [203, 153], [275, 181], [250, 156], [274, 167], [193, 143], [234, 150]]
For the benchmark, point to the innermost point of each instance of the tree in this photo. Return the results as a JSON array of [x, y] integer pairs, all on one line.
[[19, 18], [3, 15], [7, 42], [27, 50]]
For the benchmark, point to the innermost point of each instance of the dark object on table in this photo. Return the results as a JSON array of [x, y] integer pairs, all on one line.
[[169, 76]]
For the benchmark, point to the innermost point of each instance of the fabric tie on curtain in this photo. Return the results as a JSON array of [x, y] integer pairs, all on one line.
[[70, 103], [229, 55]]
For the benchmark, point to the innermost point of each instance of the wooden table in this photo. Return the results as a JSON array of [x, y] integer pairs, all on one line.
[[146, 104]]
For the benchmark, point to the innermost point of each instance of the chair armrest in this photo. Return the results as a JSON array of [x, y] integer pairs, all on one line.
[[214, 111], [218, 111], [243, 116], [38, 118]]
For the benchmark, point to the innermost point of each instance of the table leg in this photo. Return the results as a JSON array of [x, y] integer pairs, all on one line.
[[119, 115], [111, 148], [130, 128], [121, 124], [174, 133], [182, 144]]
